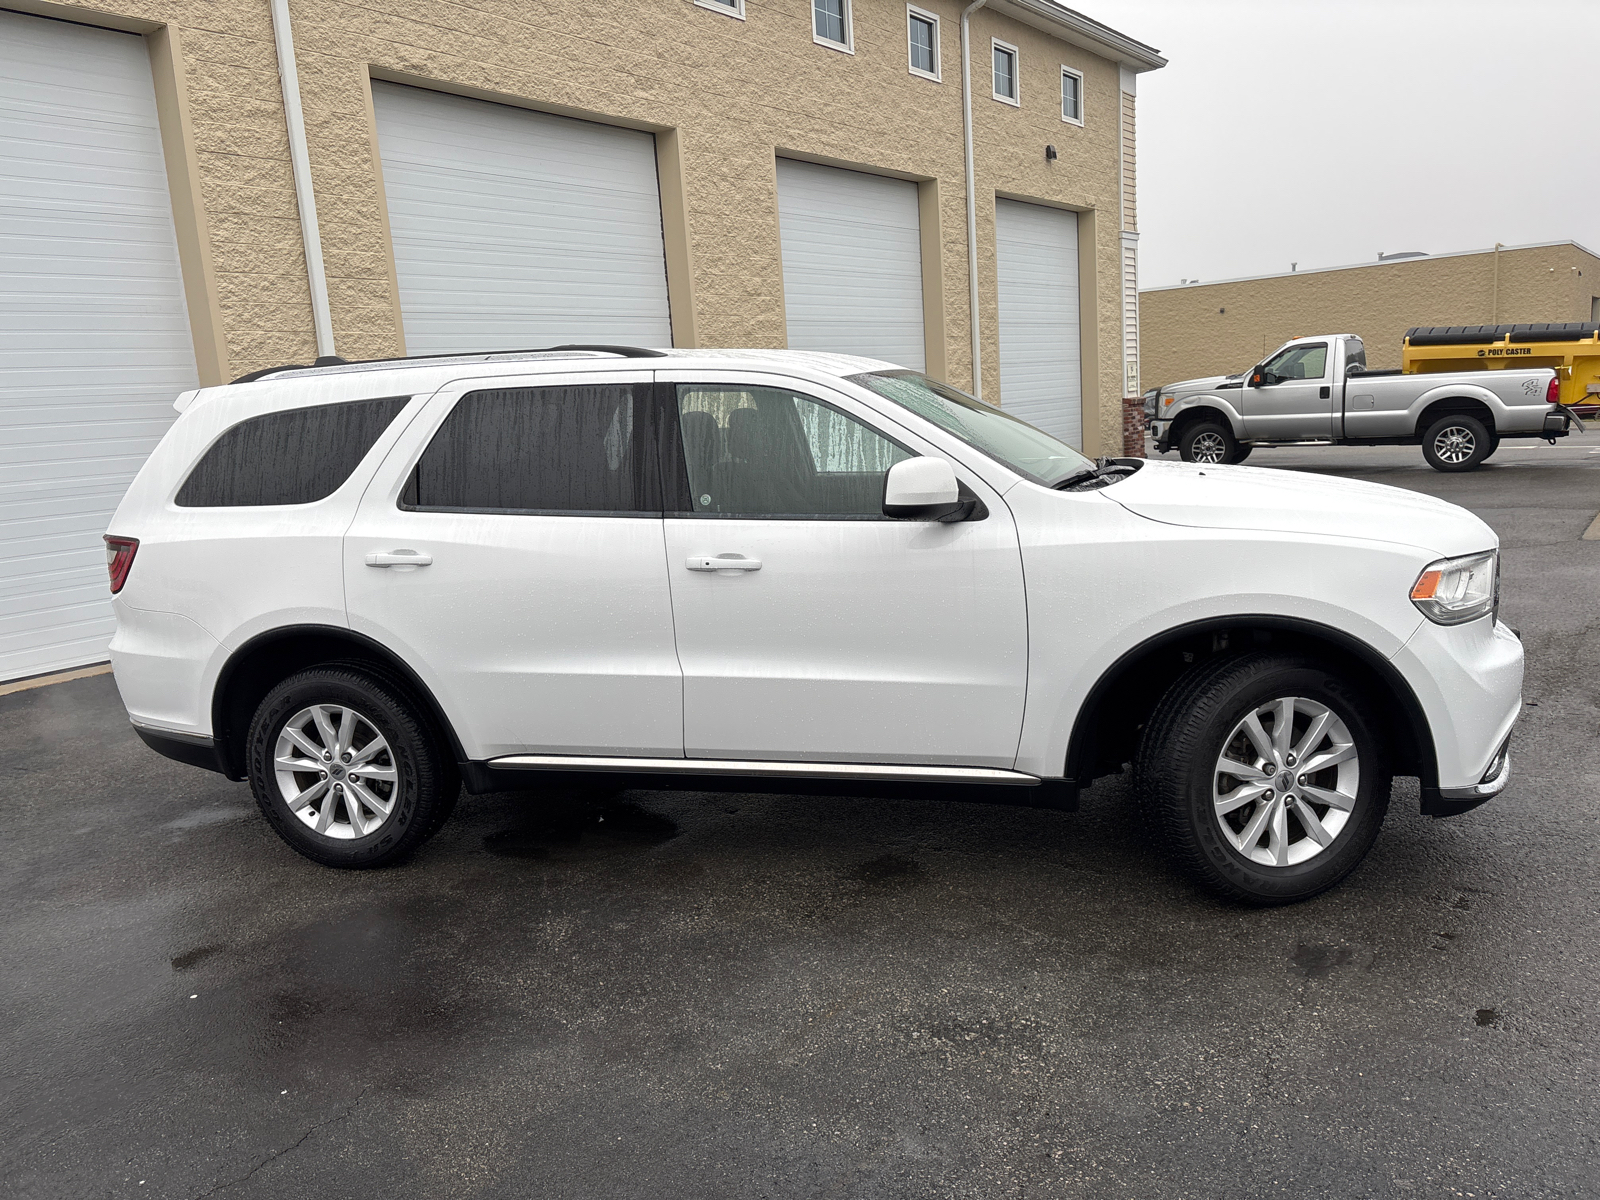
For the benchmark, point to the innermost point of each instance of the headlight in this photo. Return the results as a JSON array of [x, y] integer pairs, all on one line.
[[1454, 591]]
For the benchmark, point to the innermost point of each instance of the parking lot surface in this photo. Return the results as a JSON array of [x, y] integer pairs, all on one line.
[[713, 995]]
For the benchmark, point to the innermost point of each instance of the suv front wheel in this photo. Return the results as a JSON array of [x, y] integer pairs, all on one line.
[[1264, 777], [345, 771]]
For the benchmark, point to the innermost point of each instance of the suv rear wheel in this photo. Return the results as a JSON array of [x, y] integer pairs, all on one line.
[[1456, 442], [345, 771], [1263, 776], [1207, 442]]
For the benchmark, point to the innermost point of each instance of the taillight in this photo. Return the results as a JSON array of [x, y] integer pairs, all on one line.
[[1552, 394], [119, 559]]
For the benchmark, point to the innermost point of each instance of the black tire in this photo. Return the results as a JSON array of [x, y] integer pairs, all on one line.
[[1456, 442], [1240, 454], [1207, 442], [421, 796], [1176, 768]]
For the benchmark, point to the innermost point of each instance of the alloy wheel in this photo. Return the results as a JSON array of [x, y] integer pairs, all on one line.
[[1286, 781], [335, 771], [1454, 444], [1208, 448]]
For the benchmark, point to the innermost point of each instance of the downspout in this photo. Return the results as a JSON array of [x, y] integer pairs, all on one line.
[[972, 199], [300, 161]]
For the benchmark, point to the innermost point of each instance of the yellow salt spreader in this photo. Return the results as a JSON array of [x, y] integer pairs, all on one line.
[[1572, 349]]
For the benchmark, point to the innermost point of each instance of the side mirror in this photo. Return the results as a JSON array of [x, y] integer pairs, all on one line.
[[1258, 378], [923, 489]]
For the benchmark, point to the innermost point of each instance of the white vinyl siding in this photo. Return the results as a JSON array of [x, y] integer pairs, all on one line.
[[1040, 356], [515, 229], [852, 262], [94, 331]]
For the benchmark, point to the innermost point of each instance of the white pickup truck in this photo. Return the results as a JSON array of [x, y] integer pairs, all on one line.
[[1318, 390]]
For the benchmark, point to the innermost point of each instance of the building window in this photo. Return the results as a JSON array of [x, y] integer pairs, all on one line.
[[1005, 73], [733, 8], [1071, 95], [830, 24], [922, 28]]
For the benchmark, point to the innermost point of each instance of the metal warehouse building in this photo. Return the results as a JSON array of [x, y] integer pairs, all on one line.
[[194, 190], [1217, 328]]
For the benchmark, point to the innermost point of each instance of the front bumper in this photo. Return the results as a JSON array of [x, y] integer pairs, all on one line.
[[1450, 802], [1468, 679]]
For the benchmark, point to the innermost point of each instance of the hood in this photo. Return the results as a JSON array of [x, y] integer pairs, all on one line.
[[1274, 501], [1197, 385]]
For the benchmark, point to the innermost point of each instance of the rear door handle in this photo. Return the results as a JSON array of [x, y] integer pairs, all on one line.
[[722, 562], [399, 558]]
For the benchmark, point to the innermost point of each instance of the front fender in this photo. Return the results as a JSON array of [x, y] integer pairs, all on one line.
[[1210, 403]]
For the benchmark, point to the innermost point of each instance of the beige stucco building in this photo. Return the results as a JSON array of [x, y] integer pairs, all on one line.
[[211, 187], [1203, 329]]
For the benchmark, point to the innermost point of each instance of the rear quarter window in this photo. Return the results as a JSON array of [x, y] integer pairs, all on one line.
[[297, 456]]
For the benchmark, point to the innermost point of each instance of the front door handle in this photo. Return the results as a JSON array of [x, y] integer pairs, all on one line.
[[722, 562], [399, 558]]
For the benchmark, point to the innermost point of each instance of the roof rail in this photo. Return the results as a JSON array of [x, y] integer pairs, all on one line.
[[333, 360]]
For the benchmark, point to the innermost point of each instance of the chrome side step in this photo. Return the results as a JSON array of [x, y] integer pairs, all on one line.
[[766, 769]]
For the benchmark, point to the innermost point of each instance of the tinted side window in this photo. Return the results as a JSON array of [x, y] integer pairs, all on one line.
[[1301, 362], [756, 451], [541, 450], [291, 457]]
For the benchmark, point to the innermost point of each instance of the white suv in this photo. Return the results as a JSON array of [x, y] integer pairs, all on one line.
[[361, 586]]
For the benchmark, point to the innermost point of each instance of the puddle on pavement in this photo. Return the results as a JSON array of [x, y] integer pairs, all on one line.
[[1486, 1018]]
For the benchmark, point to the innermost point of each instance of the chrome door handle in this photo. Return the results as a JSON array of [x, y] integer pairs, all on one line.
[[399, 558], [722, 562]]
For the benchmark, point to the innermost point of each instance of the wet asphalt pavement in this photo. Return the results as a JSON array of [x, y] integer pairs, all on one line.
[[737, 996]]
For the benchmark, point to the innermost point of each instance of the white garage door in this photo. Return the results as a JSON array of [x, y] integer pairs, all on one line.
[[852, 262], [1040, 361], [514, 229], [94, 334]]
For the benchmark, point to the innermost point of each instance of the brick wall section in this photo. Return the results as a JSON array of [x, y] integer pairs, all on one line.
[[1220, 328], [1133, 427], [739, 93]]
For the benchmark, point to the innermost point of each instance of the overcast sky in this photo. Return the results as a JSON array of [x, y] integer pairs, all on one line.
[[1325, 131]]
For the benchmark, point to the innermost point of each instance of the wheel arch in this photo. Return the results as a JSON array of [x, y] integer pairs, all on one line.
[[1464, 403], [1107, 727], [267, 659], [1210, 409]]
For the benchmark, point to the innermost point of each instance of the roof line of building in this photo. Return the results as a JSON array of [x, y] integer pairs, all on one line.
[[1083, 31], [1174, 287]]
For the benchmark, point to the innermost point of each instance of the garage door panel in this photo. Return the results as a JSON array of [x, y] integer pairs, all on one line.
[[852, 262], [516, 229], [94, 334], [1040, 350]]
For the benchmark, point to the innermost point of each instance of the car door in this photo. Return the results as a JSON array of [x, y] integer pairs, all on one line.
[[1293, 399], [511, 551], [832, 634]]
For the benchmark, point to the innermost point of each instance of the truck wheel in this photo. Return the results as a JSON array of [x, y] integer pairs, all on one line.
[[1207, 442], [1264, 777], [345, 771], [1456, 442]]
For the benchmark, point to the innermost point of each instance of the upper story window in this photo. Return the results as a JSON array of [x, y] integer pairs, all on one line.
[[297, 456], [922, 29], [576, 450], [733, 8], [1072, 95], [830, 24], [1005, 73]]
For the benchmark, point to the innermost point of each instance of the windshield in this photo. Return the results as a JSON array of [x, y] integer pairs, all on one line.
[[1027, 451]]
